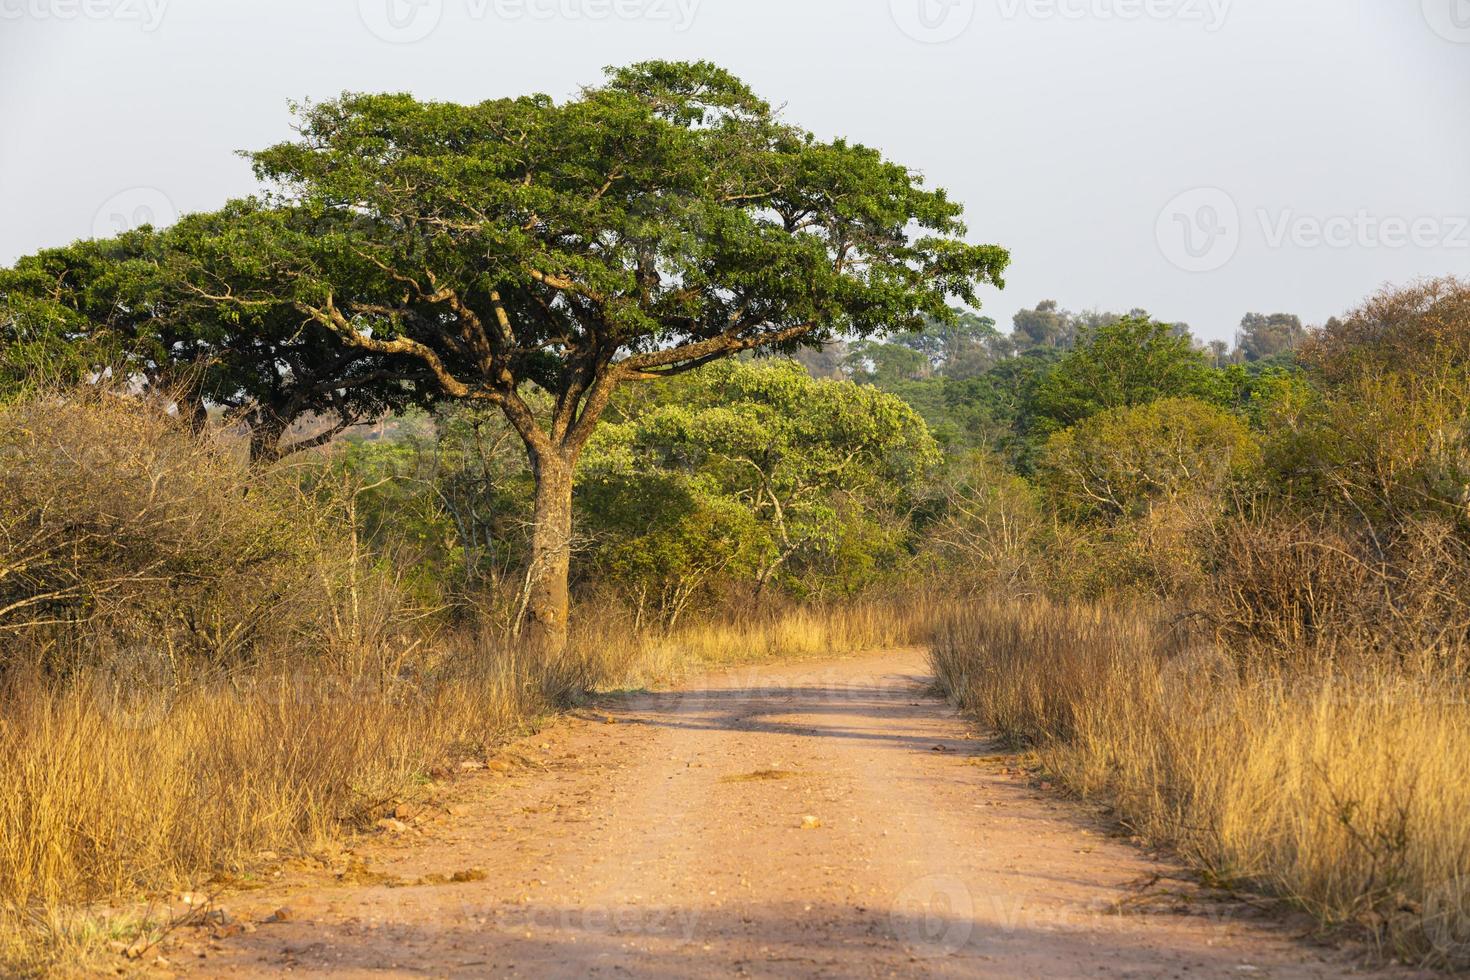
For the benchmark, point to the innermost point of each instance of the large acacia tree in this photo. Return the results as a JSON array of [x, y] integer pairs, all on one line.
[[655, 223]]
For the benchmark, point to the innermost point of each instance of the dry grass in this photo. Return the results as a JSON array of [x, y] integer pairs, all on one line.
[[789, 633], [109, 793], [1345, 793]]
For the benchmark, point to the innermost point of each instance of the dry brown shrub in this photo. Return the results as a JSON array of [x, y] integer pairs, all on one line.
[[1333, 590], [122, 531], [1418, 327]]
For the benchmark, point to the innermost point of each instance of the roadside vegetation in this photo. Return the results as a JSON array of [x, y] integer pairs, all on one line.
[[308, 502], [202, 660], [1248, 629]]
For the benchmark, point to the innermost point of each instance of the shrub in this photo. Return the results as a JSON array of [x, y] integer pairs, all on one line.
[[1316, 587], [117, 524], [986, 534], [766, 478], [1420, 329], [1126, 461]]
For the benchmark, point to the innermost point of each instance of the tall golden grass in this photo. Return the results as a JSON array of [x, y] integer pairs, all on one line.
[[783, 632], [110, 791], [1343, 791]]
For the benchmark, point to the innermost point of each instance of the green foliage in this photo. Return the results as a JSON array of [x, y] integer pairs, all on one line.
[[141, 306], [70, 313], [1388, 446], [449, 494], [1264, 337], [964, 347], [1123, 461], [1383, 428], [885, 364], [754, 472], [959, 348], [665, 209], [41, 342], [270, 364], [1132, 361], [1045, 326]]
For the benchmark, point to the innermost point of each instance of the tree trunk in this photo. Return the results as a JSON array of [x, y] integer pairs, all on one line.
[[265, 442], [548, 602]]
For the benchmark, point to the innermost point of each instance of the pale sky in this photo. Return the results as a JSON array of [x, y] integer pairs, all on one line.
[[1198, 158]]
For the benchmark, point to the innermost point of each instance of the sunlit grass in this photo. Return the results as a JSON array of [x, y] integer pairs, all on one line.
[[1343, 791]]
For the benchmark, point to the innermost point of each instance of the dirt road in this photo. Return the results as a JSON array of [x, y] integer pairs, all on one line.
[[828, 819]]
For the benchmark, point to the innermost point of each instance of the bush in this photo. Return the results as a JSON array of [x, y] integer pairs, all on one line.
[[119, 527], [986, 534], [1316, 587], [1126, 461], [1418, 329], [751, 475]]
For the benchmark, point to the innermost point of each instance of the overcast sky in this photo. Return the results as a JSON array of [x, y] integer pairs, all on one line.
[[1198, 158]]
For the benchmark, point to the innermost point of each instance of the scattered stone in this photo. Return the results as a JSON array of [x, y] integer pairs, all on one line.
[[392, 826], [467, 875], [810, 822], [405, 811], [282, 914], [470, 765]]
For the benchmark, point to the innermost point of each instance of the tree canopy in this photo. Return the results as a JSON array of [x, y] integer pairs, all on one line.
[[132, 305], [1132, 361], [800, 469], [650, 225], [1262, 336]]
